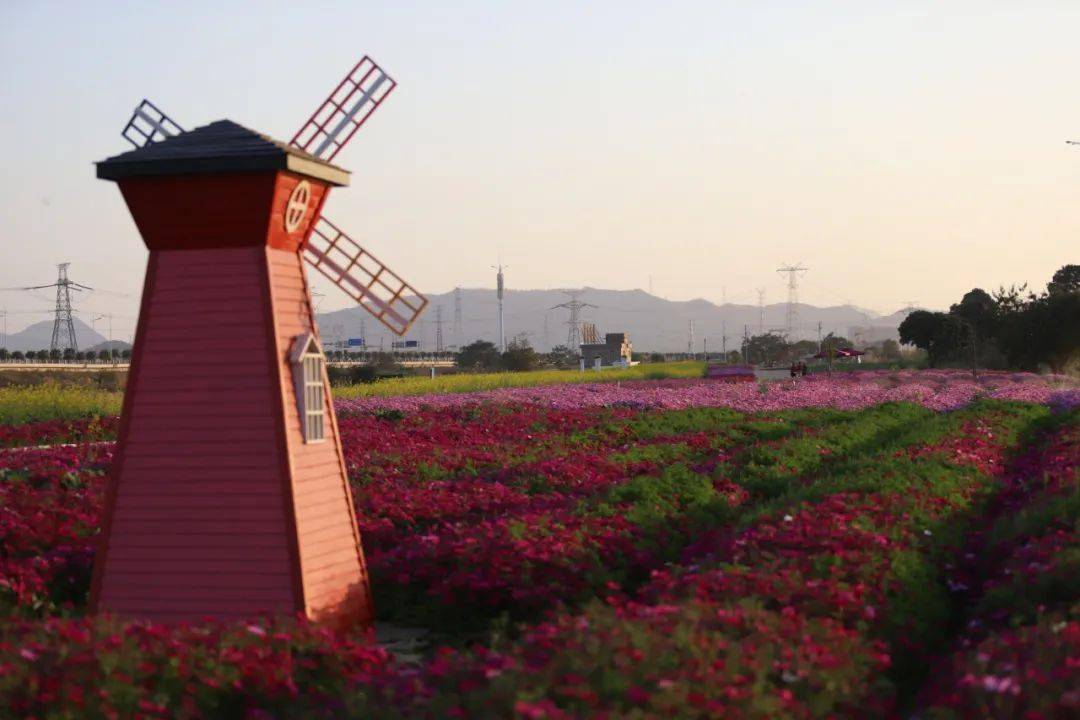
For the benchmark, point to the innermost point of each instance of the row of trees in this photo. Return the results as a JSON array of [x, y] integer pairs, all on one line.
[[519, 356], [1010, 328], [775, 348], [767, 348], [67, 355]]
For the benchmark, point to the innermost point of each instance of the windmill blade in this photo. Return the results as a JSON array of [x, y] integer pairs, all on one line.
[[374, 286], [345, 110], [148, 124], [329, 250]]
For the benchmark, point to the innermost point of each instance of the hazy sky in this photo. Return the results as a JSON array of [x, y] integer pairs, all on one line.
[[900, 150]]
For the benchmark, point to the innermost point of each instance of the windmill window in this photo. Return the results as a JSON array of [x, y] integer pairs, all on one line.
[[307, 361]]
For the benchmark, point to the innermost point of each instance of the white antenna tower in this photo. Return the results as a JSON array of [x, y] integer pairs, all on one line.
[[459, 330], [499, 293], [761, 310], [438, 329]]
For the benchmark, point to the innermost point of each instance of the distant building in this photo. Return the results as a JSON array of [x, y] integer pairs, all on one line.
[[615, 350]]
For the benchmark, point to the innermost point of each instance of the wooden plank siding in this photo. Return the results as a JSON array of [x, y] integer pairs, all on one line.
[[198, 515], [335, 579]]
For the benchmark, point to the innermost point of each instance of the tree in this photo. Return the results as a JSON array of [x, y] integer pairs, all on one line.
[[801, 349], [126, 353], [69, 354], [1045, 329], [833, 342], [479, 355], [769, 347], [1066, 280], [562, 356], [890, 350], [4, 354], [941, 335], [979, 310], [103, 354], [54, 354], [17, 355], [734, 357], [520, 356]]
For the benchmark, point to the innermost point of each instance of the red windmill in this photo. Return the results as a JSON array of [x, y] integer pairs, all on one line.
[[228, 493]]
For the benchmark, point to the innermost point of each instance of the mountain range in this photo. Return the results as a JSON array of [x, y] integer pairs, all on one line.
[[653, 323], [39, 337]]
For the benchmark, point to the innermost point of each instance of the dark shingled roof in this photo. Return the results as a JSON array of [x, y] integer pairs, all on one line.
[[219, 147]]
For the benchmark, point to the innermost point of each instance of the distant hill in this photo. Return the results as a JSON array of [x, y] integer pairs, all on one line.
[[654, 324], [39, 337]]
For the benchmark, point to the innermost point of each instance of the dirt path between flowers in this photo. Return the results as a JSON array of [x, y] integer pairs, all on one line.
[[977, 563]]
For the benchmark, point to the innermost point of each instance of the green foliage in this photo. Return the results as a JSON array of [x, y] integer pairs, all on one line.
[[562, 357], [1009, 327], [520, 356], [770, 347], [479, 355]]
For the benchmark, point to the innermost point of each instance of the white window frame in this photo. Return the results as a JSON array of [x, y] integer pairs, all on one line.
[[308, 361]]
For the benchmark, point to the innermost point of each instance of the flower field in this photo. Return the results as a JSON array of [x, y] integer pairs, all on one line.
[[868, 545]]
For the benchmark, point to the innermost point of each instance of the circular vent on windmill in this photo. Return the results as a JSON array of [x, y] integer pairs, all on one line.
[[296, 208]]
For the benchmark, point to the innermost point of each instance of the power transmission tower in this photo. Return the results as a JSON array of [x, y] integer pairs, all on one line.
[[575, 306], [499, 293], [794, 273], [438, 329], [723, 340], [761, 310], [547, 342], [459, 329], [64, 324], [63, 334], [690, 339]]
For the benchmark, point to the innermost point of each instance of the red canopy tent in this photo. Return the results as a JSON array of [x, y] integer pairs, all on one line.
[[839, 353]]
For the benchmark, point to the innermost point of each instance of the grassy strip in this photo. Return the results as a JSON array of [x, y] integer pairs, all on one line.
[[57, 401], [472, 382], [52, 401]]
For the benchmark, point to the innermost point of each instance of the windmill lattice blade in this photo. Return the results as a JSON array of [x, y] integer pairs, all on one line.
[[347, 108], [374, 286], [148, 125]]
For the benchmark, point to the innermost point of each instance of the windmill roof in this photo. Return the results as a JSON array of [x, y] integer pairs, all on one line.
[[220, 147]]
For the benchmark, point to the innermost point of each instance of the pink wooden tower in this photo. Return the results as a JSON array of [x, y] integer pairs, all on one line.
[[228, 494]]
